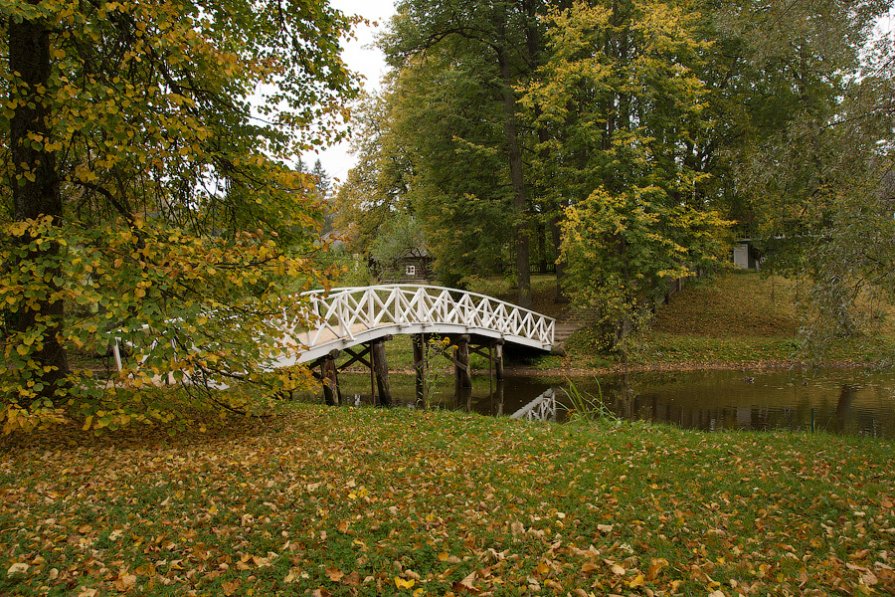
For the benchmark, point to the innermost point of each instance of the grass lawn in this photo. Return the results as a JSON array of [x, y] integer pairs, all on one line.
[[734, 319], [347, 501]]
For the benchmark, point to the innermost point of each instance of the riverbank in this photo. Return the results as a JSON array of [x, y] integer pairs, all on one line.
[[736, 320], [364, 501], [732, 321]]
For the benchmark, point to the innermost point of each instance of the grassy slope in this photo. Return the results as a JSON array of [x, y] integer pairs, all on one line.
[[345, 500], [738, 318]]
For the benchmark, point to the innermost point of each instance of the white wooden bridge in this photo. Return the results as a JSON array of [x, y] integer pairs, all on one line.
[[347, 317], [357, 321]]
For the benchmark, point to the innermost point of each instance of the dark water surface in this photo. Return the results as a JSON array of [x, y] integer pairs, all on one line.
[[840, 401]]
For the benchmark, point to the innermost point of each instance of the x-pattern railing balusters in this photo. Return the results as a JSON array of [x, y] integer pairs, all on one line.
[[343, 313]]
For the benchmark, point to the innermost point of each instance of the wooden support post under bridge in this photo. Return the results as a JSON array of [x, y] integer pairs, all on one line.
[[329, 375], [375, 360], [461, 363], [380, 368], [498, 361], [373, 356], [419, 366]]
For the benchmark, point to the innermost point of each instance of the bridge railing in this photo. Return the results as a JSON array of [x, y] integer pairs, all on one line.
[[343, 313]]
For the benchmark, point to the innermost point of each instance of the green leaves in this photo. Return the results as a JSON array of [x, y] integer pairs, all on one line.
[[179, 205]]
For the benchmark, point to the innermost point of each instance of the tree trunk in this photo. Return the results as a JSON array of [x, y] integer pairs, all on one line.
[[35, 194], [520, 197], [556, 233]]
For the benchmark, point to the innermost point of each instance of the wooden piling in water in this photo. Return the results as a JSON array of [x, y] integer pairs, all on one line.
[[498, 361], [461, 362], [419, 366], [332, 395], [380, 367]]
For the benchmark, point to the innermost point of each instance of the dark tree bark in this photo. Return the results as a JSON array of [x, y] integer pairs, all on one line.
[[556, 235], [35, 189], [520, 195]]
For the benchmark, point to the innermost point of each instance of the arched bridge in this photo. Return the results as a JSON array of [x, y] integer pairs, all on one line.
[[346, 317]]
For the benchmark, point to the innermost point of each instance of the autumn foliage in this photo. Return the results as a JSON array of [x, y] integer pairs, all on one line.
[[156, 201]]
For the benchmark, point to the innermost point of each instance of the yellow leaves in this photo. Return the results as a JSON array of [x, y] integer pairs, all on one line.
[[294, 575], [404, 584], [17, 568], [358, 494], [15, 418], [125, 581], [589, 567], [446, 557], [655, 568]]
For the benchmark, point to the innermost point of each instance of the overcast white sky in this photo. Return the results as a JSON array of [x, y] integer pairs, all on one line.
[[362, 57]]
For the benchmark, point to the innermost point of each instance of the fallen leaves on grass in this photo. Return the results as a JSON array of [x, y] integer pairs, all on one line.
[[347, 501]]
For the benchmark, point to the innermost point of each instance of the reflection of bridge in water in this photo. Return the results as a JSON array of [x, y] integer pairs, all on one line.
[[542, 408]]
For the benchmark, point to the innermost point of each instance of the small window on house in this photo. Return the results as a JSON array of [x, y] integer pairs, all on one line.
[[410, 270]]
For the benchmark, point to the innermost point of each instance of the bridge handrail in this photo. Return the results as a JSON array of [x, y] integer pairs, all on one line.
[[349, 289]]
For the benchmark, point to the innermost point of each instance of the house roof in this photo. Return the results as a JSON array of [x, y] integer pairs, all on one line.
[[417, 253]]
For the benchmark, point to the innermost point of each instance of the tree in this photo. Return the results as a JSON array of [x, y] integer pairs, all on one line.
[[376, 188], [147, 197], [616, 103], [502, 38], [770, 67], [829, 213]]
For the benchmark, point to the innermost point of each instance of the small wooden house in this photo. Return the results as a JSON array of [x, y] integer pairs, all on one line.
[[746, 256], [413, 267]]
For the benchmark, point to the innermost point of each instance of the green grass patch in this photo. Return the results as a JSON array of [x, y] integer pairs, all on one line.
[[372, 502], [743, 304], [740, 318]]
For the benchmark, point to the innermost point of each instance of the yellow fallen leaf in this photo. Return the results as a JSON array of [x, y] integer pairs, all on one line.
[[404, 584], [655, 568], [125, 582], [17, 568], [637, 581]]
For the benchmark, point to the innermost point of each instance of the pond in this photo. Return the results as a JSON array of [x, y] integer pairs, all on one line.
[[850, 401]]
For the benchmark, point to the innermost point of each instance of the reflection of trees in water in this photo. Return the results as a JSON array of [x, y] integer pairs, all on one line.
[[847, 395], [782, 401]]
